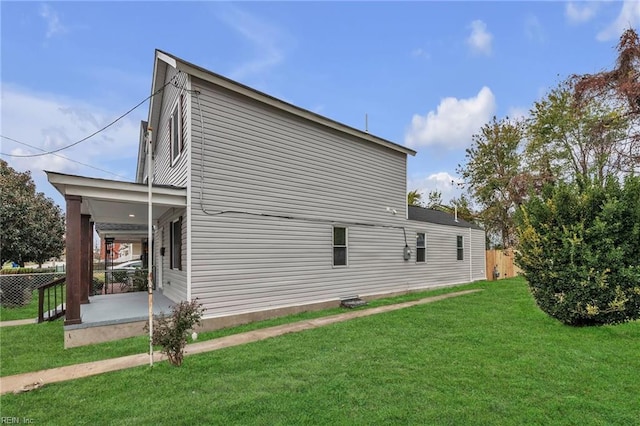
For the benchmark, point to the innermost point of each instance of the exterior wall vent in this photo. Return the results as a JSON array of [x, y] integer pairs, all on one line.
[[353, 302]]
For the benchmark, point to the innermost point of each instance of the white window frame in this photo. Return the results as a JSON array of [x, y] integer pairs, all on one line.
[[340, 246], [424, 247], [176, 137]]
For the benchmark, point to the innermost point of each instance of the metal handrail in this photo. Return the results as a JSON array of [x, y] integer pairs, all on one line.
[[55, 284]]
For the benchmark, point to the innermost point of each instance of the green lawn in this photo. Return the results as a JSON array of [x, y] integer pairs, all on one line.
[[28, 311], [486, 358], [17, 354]]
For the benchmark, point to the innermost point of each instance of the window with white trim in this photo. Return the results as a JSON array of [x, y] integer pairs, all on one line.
[[176, 125], [175, 244], [339, 246], [421, 247], [460, 247]]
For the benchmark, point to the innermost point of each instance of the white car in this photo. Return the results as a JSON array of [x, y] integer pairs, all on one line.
[[132, 265]]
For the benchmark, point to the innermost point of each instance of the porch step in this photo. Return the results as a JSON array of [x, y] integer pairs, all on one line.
[[353, 302]]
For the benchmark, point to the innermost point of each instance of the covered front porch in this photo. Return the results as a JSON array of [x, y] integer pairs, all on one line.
[[114, 316], [118, 211]]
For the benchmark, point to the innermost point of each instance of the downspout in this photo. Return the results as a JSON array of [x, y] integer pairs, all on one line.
[[470, 257], [150, 239], [187, 111]]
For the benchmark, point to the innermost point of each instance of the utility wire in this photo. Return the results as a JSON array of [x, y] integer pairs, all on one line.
[[91, 135], [67, 158]]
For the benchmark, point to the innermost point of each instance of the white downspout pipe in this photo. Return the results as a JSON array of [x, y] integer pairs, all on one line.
[[150, 239], [470, 257]]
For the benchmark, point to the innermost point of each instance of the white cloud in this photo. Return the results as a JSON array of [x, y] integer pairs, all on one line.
[[533, 29], [480, 39], [444, 182], [578, 14], [51, 18], [50, 122], [629, 17], [420, 53], [453, 123], [517, 113], [266, 38]]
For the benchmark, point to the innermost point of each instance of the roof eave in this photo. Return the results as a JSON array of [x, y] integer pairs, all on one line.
[[254, 94]]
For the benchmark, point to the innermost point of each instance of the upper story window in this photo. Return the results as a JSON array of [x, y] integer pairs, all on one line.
[[176, 133], [460, 247], [339, 246], [421, 247]]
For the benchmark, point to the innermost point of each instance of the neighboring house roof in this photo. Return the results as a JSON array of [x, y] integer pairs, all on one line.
[[164, 59], [422, 214]]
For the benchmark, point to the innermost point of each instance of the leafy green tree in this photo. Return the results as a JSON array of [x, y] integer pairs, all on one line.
[[619, 88], [31, 225], [434, 199], [580, 251], [575, 140], [414, 198], [493, 175], [464, 208]]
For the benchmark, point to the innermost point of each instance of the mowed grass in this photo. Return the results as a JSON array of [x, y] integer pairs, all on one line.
[[28, 311], [486, 358], [41, 346]]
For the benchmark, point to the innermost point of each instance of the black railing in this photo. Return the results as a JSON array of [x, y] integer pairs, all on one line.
[[46, 291]]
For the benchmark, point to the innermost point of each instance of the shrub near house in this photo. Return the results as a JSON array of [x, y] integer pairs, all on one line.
[[580, 251]]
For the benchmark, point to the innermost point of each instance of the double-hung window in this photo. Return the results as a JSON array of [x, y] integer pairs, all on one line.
[[176, 125], [460, 247], [339, 246], [421, 247], [176, 244]]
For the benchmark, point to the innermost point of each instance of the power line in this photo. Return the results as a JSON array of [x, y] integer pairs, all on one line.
[[91, 135], [66, 158]]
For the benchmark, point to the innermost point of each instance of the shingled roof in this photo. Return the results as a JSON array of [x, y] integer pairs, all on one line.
[[422, 214]]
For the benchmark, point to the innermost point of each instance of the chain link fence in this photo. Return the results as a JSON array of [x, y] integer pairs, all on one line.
[[19, 289]]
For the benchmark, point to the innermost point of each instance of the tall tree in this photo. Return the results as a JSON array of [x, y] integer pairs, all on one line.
[[434, 199], [31, 225], [575, 141], [494, 178], [620, 89], [465, 211], [414, 198]]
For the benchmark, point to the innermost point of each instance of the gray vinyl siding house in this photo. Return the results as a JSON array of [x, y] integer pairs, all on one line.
[[267, 183]]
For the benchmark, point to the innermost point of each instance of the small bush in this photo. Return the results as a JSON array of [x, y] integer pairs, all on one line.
[[97, 285], [580, 252], [140, 280], [171, 332]]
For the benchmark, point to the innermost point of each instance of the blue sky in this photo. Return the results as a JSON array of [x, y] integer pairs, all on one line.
[[427, 74]]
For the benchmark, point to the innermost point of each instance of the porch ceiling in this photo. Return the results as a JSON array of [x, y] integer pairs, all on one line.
[[118, 209]]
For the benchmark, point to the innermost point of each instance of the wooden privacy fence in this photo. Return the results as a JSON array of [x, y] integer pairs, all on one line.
[[500, 264]]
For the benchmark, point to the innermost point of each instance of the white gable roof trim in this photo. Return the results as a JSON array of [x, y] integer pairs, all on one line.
[[256, 95], [107, 189]]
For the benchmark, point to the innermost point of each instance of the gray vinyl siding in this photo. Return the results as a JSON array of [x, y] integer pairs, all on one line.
[[266, 197], [264, 263], [479, 255], [265, 162], [174, 282], [442, 266], [166, 173]]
